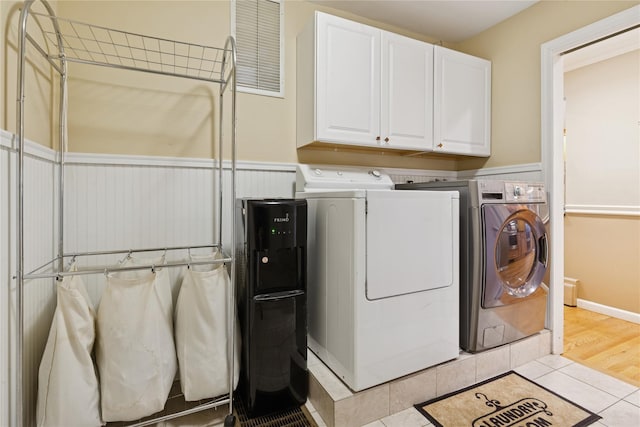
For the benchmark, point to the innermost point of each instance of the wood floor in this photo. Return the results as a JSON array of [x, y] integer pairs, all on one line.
[[604, 343]]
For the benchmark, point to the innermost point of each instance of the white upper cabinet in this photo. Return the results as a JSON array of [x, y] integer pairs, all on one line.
[[347, 81], [462, 103], [361, 86], [407, 93]]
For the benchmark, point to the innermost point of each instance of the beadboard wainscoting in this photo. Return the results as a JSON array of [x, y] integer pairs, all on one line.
[[110, 203], [131, 202], [115, 202], [39, 247]]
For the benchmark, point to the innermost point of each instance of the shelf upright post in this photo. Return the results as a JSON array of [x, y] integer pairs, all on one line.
[[230, 46], [62, 152], [19, 406], [19, 320]]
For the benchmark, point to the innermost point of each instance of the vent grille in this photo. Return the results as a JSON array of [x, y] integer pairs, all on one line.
[[296, 417]]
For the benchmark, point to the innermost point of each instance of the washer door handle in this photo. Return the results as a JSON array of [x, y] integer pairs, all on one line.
[[544, 249]]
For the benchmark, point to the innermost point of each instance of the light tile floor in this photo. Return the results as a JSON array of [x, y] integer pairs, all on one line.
[[617, 402]]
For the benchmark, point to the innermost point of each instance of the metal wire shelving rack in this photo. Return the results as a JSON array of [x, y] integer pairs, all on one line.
[[61, 41]]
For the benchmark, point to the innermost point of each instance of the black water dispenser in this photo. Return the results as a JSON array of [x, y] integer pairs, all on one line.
[[271, 239]]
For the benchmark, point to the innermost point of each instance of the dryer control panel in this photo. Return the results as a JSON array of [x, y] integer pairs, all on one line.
[[496, 191], [323, 178], [524, 192]]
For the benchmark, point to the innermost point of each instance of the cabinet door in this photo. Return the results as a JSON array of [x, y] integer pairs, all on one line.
[[407, 93], [347, 81], [462, 103]]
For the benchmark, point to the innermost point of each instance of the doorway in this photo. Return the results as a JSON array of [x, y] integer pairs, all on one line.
[[552, 121]]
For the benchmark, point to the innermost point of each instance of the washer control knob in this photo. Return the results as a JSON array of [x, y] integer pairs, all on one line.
[[318, 172], [518, 191], [375, 173]]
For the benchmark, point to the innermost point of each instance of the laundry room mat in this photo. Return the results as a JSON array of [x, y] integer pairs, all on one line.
[[296, 417], [506, 400]]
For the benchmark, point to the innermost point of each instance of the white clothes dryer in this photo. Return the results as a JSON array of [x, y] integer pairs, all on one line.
[[383, 274]]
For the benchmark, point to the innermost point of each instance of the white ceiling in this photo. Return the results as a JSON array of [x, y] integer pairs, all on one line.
[[445, 20]]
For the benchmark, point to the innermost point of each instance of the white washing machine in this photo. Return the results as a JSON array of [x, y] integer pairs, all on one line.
[[383, 274]]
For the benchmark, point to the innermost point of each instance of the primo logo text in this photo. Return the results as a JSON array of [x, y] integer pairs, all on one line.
[[285, 219]]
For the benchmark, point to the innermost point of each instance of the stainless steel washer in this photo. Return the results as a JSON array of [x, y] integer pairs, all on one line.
[[503, 259]]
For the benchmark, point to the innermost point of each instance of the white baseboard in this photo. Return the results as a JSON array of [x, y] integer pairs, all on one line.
[[629, 316]]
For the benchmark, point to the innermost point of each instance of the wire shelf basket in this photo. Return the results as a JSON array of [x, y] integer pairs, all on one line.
[[75, 41]]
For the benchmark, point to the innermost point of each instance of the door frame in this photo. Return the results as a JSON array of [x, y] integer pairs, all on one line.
[[552, 124]]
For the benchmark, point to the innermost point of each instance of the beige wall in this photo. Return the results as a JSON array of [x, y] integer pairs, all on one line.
[[118, 111], [603, 253], [123, 118], [602, 109], [513, 47], [114, 111]]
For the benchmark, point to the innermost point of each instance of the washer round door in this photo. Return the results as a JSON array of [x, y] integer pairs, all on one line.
[[515, 244]]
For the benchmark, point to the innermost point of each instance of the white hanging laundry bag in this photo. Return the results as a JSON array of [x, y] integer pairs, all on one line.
[[163, 281], [68, 389], [202, 331], [135, 350]]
